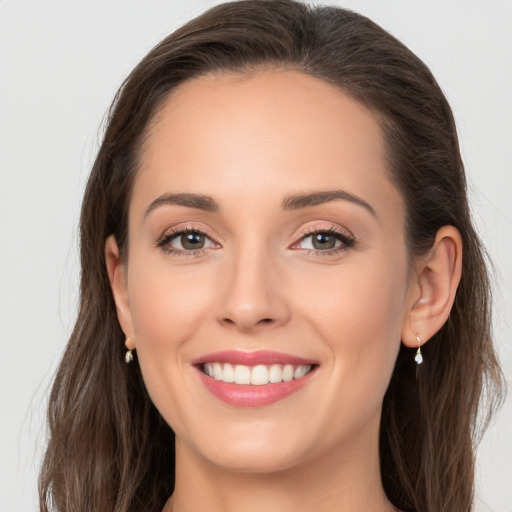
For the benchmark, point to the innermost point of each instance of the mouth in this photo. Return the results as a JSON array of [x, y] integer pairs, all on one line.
[[249, 379], [258, 375]]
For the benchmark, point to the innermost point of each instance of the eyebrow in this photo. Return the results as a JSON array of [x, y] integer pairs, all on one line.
[[291, 202], [198, 201], [297, 201]]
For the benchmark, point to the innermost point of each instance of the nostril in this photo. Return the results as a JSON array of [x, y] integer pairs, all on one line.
[[248, 325]]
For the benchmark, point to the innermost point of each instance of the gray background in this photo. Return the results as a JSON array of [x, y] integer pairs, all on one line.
[[60, 65]]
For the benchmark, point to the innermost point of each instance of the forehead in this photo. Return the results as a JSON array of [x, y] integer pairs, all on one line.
[[271, 132]]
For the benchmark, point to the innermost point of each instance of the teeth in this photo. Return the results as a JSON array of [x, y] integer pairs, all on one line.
[[275, 374], [228, 374], [300, 371], [242, 374], [288, 371], [217, 371], [258, 375]]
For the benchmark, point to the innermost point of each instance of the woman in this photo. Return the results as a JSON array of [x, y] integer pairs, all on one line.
[[283, 301]]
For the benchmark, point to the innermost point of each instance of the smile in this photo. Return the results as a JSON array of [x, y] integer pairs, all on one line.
[[253, 379], [258, 375]]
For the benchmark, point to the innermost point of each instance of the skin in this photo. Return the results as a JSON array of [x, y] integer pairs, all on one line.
[[258, 283]]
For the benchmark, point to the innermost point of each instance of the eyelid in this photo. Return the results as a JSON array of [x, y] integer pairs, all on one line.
[[322, 228], [317, 228], [346, 238], [176, 231]]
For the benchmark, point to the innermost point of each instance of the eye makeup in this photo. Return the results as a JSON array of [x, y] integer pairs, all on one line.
[[319, 233], [188, 236]]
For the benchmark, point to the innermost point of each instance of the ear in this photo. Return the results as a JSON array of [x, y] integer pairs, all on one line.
[[118, 282], [432, 291]]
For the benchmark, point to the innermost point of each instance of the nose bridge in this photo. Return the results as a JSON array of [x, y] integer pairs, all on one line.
[[253, 298]]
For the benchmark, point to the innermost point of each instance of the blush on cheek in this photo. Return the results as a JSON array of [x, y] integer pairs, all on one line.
[[364, 320], [167, 307]]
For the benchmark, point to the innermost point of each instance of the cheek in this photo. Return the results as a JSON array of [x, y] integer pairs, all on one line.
[[361, 298], [168, 308], [166, 304], [361, 319], [360, 324]]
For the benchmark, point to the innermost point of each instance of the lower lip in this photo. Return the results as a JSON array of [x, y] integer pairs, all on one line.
[[245, 395]]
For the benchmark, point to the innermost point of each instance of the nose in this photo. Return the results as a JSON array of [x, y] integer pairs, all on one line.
[[254, 297]]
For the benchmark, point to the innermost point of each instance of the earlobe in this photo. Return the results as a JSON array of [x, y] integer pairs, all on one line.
[[118, 283], [437, 276]]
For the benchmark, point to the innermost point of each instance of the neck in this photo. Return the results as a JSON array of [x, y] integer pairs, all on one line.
[[346, 479]]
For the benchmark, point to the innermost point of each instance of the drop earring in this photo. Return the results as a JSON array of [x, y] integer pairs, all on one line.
[[418, 357], [128, 357]]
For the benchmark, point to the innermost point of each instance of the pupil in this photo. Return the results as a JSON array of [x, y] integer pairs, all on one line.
[[323, 241], [192, 241]]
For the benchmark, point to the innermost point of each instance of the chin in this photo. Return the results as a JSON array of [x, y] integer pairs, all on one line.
[[250, 452], [256, 461]]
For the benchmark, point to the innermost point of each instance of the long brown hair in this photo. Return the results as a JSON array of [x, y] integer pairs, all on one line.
[[108, 448]]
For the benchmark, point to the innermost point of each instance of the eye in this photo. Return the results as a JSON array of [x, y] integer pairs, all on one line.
[[325, 241], [185, 241], [320, 241]]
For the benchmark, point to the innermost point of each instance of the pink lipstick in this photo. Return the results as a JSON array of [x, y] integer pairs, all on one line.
[[252, 379]]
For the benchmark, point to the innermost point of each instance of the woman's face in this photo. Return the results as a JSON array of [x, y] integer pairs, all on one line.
[[266, 239]]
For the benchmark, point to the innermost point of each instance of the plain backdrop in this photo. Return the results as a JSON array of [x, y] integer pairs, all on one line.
[[60, 65]]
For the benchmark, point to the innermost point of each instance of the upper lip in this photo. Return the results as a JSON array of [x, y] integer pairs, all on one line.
[[252, 358]]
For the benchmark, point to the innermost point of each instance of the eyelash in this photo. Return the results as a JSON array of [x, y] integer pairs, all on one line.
[[347, 242], [168, 236]]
